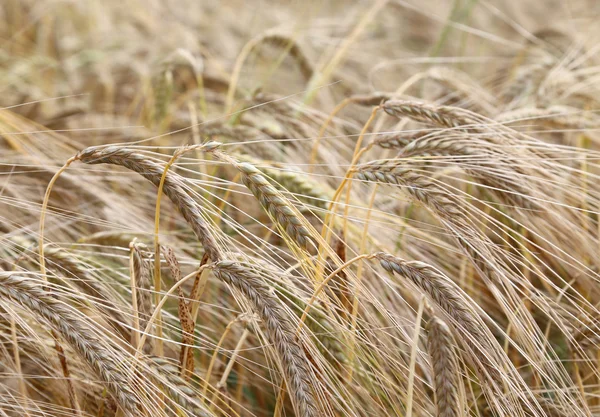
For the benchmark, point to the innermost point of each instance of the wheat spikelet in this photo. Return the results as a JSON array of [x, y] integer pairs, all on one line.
[[329, 344], [483, 351], [447, 143], [440, 288], [484, 255], [172, 186], [274, 203], [526, 80], [440, 346], [87, 283], [186, 356], [482, 252], [546, 49], [280, 331], [394, 140], [478, 158], [78, 334]]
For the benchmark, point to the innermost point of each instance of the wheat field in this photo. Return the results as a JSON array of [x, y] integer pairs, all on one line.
[[305, 208]]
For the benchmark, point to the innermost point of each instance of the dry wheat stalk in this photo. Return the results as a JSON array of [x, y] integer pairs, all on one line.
[[83, 339], [440, 346], [172, 187]]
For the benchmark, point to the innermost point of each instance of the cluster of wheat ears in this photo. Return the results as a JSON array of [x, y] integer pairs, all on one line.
[[182, 236]]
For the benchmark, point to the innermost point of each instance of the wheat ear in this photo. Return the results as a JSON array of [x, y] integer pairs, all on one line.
[[440, 345], [443, 116], [280, 331], [274, 203], [82, 338], [141, 282], [172, 186], [294, 182], [177, 388], [454, 303]]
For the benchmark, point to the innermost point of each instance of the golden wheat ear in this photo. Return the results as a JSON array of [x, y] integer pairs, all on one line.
[[446, 371], [153, 172], [78, 333], [280, 331]]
